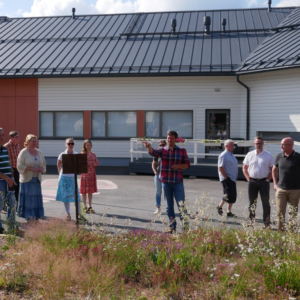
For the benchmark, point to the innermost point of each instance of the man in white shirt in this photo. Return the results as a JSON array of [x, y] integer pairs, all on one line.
[[257, 169]]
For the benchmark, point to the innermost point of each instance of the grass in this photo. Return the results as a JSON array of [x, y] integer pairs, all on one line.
[[57, 261]]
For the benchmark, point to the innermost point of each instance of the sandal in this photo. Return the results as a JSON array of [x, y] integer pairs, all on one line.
[[171, 230], [220, 210], [68, 218], [90, 211], [231, 215]]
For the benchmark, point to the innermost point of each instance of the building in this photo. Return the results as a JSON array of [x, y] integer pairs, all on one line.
[[207, 74]]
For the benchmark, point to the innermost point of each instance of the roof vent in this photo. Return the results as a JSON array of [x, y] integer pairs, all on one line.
[[207, 23], [173, 24], [224, 22], [269, 3], [73, 12]]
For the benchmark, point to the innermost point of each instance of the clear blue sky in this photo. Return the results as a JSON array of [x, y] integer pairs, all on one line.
[[19, 8]]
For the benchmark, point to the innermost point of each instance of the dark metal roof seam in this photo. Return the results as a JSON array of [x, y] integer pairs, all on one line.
[[106, 47], [141, 64], [183, 50], [70, 41], [192, 53], [67, 64], [261, 51], [71, 23], [133, 60], [46, 43], [34, 45], [152, 36], [15, 27], [91, 43]]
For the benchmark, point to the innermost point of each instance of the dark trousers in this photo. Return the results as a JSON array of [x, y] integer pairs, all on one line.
[[263, 187], [17, 180]]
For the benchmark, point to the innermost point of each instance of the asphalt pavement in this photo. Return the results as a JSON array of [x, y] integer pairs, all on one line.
[[128, 202]]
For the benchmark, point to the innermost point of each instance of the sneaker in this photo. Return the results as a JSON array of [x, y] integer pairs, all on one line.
[[157, 211], [231, 215], [220, 210]]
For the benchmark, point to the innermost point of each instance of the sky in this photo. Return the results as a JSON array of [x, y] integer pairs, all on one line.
[[31, 8]]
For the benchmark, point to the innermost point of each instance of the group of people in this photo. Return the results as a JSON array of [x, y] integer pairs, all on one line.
[[259, 168], [20, 179]]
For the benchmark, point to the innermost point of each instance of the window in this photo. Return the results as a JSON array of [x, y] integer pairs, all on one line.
[[278, 136], [61, 124], [159, 122], [114, 124]]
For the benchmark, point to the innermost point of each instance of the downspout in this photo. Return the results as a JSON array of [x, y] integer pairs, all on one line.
[[248, 106]]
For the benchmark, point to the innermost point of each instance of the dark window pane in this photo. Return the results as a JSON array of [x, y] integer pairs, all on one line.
[[152, 124], [180, 121], [121, 124], [69, 124], [98, 124], [46, 124]]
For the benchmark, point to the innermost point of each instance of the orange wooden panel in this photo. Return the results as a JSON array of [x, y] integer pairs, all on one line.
[[140, 123], [87, 124], [27, 117], [7, 87], [26, 87], [7, 115]]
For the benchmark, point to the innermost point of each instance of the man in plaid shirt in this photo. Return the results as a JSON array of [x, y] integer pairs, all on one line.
[[13, 149], [173, 161]]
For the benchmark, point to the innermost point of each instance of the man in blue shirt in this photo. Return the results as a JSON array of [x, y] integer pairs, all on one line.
[[228, 172]]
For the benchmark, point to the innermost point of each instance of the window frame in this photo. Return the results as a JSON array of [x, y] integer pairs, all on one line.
[[160, 122], [54, 137], [286, 133], [106, 138]]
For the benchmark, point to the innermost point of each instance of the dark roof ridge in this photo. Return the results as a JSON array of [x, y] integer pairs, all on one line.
[[159, 12]]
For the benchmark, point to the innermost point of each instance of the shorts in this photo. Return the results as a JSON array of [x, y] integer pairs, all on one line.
[[229, 190]]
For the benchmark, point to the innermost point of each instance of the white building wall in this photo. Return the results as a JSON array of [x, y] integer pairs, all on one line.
[[143, 93], [275, 102]]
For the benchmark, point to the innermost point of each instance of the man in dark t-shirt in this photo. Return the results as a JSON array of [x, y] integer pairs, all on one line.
[[286, 176]]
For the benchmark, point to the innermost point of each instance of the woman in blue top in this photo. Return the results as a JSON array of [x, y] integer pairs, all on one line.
[[66, 183]]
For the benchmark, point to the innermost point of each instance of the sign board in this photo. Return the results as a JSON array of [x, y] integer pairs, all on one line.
[[70, 160], [75, 164]]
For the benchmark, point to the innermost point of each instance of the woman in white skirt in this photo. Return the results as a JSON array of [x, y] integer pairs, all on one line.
[[66, 183]]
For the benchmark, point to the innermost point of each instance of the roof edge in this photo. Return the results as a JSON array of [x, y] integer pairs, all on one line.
[[158, 12]]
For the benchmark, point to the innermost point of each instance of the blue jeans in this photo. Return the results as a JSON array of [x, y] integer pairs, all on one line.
[[158, 187], [173, 190], [10, 199]]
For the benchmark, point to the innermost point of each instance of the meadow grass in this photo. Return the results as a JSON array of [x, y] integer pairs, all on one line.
[[57, 261]]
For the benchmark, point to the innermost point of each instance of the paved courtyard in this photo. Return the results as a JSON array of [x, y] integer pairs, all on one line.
[[129, 200]]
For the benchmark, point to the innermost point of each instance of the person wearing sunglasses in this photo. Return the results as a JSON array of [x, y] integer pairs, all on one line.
[[66, 184], [257, 168], [158, 186]]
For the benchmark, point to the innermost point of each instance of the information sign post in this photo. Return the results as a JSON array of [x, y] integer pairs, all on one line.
[[75, 164]]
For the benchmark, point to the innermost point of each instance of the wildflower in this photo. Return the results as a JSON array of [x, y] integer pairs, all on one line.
[[211, 275], [236, 275], [17, 253]]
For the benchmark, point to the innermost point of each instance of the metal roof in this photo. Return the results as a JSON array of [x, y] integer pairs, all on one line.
[[133, 44], [280, 50]]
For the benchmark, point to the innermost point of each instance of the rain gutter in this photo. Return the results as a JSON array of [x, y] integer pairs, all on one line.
[[248, 107]]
